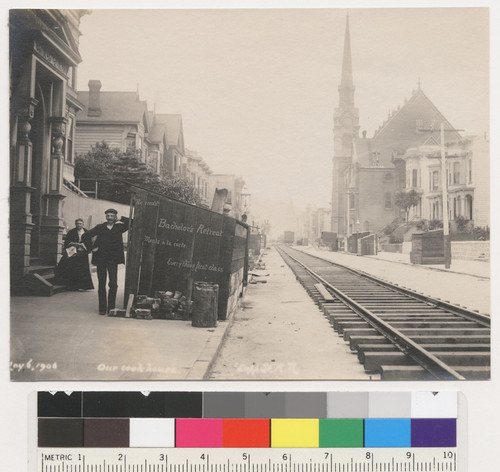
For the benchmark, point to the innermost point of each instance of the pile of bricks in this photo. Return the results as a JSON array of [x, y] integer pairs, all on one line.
[[164, 305]]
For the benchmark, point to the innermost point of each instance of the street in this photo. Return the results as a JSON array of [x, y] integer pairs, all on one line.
[[281, 334]]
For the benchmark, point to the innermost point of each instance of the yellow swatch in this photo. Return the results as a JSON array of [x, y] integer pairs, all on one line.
[[289, 432]]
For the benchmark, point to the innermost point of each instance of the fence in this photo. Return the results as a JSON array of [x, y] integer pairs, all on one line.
[[174, 244], [90, 210]]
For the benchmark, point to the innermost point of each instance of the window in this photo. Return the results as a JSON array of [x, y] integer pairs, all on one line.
[[351, 201], [435, 180], [69, 140], [456, 173], [388, 200], [140, 146], [130, 143], [470, 170], [419, 125], [414, 178], [154, 161]]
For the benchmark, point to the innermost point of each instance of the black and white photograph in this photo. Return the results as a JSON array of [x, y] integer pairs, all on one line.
[[249, 194]]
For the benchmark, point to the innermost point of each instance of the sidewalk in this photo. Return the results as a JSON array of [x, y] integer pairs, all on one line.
[[476, 268], [466, 283], [64, 338]]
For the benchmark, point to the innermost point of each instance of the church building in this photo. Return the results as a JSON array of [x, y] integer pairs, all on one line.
[[367, 172]]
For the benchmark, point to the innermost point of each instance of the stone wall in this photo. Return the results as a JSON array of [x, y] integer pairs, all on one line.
[[470, 250]]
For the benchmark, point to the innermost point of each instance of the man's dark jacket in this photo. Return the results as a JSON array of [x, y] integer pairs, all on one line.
[[108, 246]]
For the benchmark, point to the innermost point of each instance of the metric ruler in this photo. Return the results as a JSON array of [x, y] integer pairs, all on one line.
[[248, 460], [194, 432]]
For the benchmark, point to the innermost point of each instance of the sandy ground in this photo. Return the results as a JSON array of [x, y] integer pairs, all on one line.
[[281, 334]]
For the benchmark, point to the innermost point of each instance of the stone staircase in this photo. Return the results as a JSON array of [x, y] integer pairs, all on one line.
[[38, 282]]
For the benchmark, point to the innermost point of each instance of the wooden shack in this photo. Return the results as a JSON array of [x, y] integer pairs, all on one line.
[[173, 244], [353, 241], [427, 248]]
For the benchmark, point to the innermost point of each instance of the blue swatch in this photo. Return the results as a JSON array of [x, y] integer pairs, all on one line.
[[394, 432]]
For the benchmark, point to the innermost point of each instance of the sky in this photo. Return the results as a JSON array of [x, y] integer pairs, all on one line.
[[257, 88]]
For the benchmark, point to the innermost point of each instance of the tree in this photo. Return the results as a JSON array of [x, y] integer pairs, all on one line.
[[179, 188], [95, 164], [406, 200], [117, 170]]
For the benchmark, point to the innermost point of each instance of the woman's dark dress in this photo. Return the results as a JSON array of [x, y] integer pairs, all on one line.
[[74, 271]]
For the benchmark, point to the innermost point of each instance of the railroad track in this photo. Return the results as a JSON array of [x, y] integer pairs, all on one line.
[[399, 333]]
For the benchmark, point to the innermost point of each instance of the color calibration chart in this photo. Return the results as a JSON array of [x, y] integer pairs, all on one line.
[[249, 432]]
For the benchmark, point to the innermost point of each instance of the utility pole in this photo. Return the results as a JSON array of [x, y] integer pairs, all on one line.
[[444, 185]]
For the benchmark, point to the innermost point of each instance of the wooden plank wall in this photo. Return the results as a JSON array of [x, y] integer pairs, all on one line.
[[173, 244]]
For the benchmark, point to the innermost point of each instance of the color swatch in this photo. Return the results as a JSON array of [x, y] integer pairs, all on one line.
[[247, 420]]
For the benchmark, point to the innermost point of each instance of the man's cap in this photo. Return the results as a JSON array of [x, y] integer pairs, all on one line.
[[111, 210]]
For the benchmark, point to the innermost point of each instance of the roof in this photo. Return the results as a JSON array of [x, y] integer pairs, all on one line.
[[402, 125], [151, 115], [157, 132], [415, 123], [174, 127], [116, 107]]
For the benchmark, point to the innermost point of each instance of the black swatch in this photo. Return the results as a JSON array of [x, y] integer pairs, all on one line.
[[59, 405], [123, 405], [183, 405]]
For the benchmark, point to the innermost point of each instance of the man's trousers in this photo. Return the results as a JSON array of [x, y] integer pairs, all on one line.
[[107, 303]]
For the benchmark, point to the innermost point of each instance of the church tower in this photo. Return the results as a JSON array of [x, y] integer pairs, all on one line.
[[345, 130]]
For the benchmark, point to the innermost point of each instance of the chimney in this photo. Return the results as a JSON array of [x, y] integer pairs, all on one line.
[[94, 108]]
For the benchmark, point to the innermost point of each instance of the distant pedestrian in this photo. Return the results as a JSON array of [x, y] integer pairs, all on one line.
[[107, 254], [73, 269]]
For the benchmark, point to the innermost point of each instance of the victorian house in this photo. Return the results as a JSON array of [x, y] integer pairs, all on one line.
[[120, 119], [174, 162], [466, 177], [43, 62], [198, 172]]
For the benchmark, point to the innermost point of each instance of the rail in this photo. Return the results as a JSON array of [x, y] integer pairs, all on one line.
[[428, 361]]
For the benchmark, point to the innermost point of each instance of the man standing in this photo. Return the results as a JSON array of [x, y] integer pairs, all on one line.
[[107, 254]]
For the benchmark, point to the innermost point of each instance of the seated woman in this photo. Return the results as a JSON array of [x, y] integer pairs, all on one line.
[[73, 269]]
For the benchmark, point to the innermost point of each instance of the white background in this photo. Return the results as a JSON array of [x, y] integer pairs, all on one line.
[[483, 397]]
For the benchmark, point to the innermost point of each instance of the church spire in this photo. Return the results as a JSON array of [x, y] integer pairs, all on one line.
[[346, 88]]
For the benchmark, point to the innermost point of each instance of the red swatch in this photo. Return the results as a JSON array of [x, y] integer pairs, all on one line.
[[245, 432]]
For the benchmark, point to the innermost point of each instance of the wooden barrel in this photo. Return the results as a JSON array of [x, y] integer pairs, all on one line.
[[205, 304]]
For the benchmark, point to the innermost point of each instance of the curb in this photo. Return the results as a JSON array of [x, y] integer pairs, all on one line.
[[448, 271], [210, 351]]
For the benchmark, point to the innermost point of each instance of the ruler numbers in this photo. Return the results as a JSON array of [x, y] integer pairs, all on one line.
[[258, 460]]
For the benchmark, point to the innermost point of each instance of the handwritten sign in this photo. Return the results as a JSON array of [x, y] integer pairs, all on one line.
[[173, 244]]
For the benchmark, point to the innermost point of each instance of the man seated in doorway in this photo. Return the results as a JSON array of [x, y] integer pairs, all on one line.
[[107, 254]]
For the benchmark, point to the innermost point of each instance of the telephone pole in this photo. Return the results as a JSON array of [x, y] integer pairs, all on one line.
[[444, 185]]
